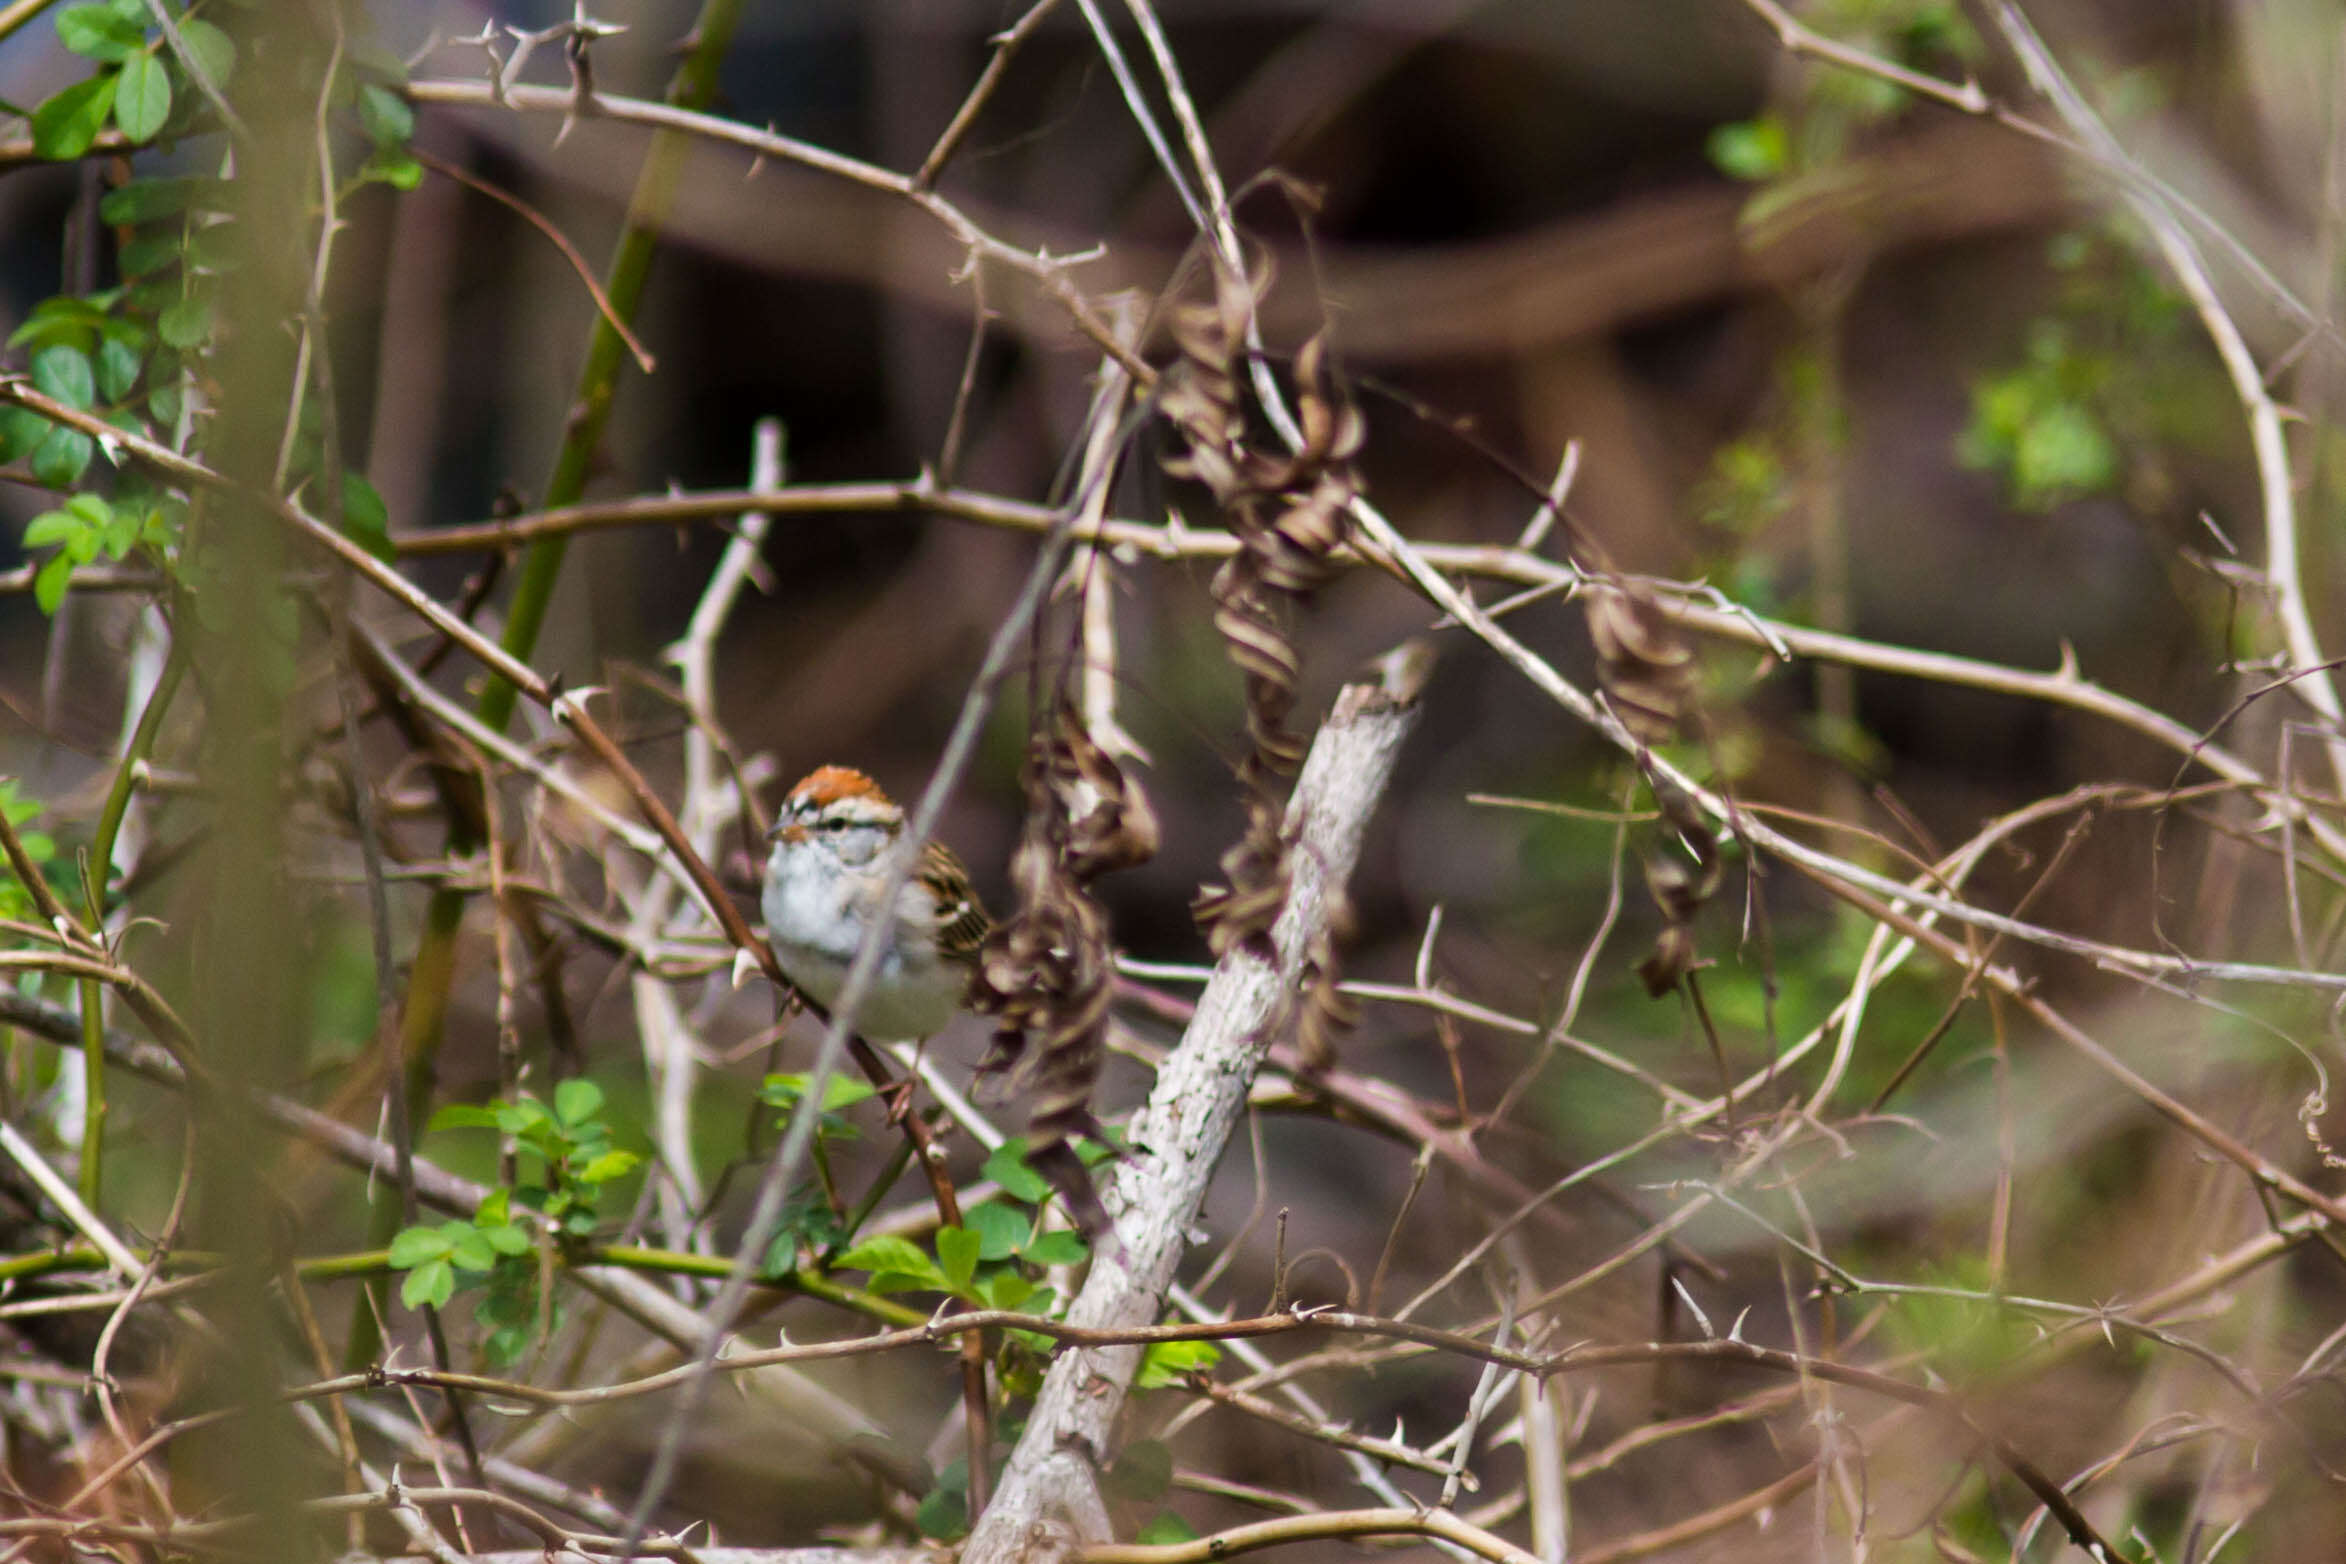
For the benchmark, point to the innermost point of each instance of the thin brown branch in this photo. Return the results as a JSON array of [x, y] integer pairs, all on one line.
[[545, 225], [1049, 271]]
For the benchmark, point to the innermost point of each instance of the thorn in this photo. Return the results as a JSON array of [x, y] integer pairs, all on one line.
[[568, 705], [743, 965], [1700, 1318]]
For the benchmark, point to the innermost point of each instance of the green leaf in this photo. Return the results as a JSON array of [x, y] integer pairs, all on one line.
[[415, 1246], [144, 200], [1752, 149], [123, 530], [1007, 1167], [99, 32], [65, 374], [890, 1256], [1164, 1529], [67, 125], [212, 49], [394, 168], [839, 1091], [67, 318], [142, 97], [21, 429], [2063, 452], [608, 1166], [429, 1285], [884, 1253], [1057, 1249], [509, 1239], [469, 1248], [577, 1100], [1142, 1473], [1000, 1229], [15, 807], [129, 330], [118, 369], [462, 1116], [186, 323], [943, 1515], [157, 292], [365, 518], [507, 1345], [62, 457], [1167, 1361], [957, 1257], [1005, 1289], [51, 526], [385, 116], [50, 582], [525, 1116]]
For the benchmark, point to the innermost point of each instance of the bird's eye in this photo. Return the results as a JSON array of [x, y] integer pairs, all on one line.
[[834, 825]]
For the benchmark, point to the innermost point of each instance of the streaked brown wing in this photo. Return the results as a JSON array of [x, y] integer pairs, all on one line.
[[962, 923]]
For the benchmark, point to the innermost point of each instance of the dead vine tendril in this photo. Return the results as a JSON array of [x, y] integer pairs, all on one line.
[[1046, 972], [1288, 511]]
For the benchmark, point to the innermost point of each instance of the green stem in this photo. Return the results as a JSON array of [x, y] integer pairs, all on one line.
[[142, 744], [376, 1263], [82, 1257], [878, 1192], [694, 87], [100, 870], [675, 1262]]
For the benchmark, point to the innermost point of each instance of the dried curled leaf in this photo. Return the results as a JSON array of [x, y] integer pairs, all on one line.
[[1644, 666], [1327, 1011], [1045, 972], [1289, 512], [1681, 874]]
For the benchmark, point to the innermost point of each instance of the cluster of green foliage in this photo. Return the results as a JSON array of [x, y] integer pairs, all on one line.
[[566, 1160], [1931, 36], [2105, 379], [2098, 373], [998, 1257], [147, 86], [131, 353]]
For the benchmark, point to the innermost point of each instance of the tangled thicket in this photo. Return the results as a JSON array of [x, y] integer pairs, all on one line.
[[1932, 608]]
